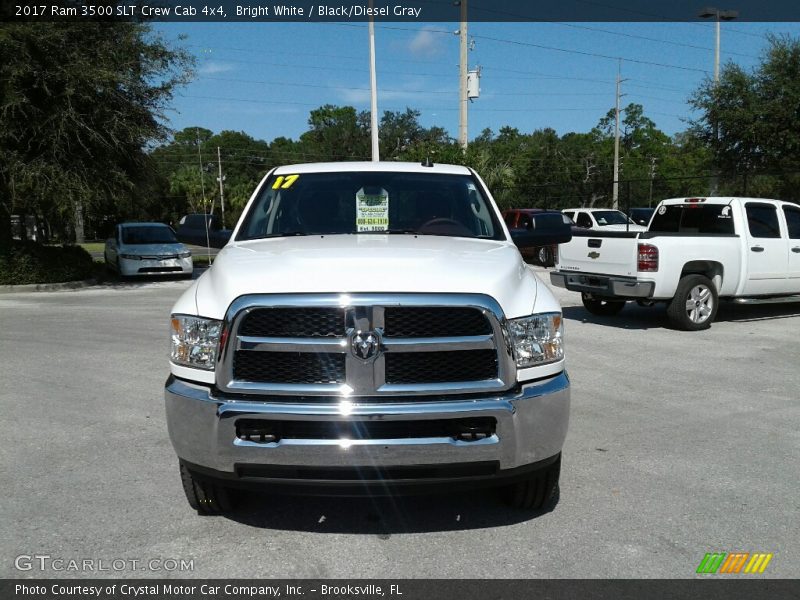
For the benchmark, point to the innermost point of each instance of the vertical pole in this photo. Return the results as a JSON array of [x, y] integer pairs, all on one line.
[[463, 101], [221, 192], [373, 82], [615, 188], [716, 54]]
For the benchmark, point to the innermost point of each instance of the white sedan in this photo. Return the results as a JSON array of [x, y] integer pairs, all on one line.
[[147, 249]]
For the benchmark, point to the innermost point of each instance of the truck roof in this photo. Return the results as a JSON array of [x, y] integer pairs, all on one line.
[[715, 199], [400, 167]]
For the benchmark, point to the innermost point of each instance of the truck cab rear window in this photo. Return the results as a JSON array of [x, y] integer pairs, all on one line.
[[693, 218]]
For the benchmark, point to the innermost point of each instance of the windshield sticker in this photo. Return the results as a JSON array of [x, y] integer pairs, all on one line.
[[662, 210], [372, 210], [284, 182]]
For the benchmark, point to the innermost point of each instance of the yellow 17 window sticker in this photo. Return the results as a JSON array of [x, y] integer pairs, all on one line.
[[284, 182], [372, 210]]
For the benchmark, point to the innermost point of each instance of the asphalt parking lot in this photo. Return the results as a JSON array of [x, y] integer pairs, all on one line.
[[679, 444]]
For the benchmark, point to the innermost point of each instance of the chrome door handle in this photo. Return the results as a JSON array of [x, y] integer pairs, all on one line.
[[756, 248]]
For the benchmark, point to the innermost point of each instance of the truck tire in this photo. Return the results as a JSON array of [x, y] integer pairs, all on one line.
[[545, 256], [205, 497], [539, 492], [600, 306], [694, 305]]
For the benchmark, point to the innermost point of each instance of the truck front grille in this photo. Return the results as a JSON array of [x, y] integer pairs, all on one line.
[[365, 345], [294, 322], [434, 321], [289, 367], [440, 367]]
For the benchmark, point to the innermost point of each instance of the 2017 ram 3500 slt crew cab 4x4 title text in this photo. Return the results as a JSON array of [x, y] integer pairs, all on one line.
[[369, 327]]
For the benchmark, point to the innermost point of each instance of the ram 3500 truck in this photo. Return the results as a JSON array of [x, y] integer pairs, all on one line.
[[370, 327], [695, 252]]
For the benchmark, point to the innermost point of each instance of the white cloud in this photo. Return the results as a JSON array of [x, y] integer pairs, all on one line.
[[214, 68], [426, 43]]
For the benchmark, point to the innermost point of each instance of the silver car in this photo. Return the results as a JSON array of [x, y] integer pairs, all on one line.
[[147, 249]]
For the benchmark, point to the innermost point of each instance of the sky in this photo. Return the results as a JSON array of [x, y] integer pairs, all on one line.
[[265, 78]]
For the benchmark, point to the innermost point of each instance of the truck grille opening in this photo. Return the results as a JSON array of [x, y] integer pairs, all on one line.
[[288, 367], [294, 322], [434, 321], [370, 473], [267, 431], [441, 367]]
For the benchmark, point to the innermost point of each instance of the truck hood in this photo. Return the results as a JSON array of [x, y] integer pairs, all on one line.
[[369, 263]]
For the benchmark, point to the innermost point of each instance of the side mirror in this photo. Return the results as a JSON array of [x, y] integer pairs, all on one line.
[[542, 236]]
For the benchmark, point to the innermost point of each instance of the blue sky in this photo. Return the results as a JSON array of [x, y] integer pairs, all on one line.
[[264, 78]]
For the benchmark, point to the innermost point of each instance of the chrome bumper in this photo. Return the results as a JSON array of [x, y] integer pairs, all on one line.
[[531, 427], [603, 285]]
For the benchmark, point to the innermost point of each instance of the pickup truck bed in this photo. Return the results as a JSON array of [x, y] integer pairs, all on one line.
[[724, 247]]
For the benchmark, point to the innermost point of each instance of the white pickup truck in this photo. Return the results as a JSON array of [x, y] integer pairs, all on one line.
[[695, 252], [369, 327]]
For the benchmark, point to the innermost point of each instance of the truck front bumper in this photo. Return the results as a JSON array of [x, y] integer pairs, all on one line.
[[603, 285], [529, 432]]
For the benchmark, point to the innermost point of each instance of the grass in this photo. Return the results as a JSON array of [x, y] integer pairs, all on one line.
[[93, 246]]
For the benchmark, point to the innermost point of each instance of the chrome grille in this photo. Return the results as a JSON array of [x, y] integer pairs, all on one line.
[[365, 345]]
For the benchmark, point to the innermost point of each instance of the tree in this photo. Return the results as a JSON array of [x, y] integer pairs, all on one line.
[[79, 103], [750, 120]]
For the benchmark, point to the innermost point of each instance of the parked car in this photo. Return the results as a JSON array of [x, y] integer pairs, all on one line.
[[370, 328], [203, 230], [695, 252], [536, 218], [602, 219], [641, 216], [147, 249]]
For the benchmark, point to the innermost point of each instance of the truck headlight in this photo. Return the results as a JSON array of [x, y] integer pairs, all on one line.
[[186, 254], [195, 341], [538, 339]]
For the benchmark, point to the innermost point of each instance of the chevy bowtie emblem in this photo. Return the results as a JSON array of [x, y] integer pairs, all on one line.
[[365, 344], [594, 255]]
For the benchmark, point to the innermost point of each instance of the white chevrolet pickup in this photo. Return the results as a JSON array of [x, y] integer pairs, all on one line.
[[369, 328], [695, 251]]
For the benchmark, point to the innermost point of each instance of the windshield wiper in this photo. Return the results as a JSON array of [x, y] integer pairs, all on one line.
[[392, 231]]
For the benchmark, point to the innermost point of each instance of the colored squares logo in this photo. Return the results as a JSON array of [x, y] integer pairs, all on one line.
[[734, 562]]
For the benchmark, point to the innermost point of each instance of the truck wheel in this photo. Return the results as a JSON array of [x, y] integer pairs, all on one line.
[[205, 497], [539, 492], [694, 305], [601, 307], [546, 256]]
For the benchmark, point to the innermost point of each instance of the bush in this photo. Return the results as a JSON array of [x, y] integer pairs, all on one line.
[[29, 262]]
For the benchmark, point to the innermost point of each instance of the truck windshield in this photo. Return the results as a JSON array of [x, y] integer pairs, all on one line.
[[371, 203], [692, 218], [148, 234], [611, 217]]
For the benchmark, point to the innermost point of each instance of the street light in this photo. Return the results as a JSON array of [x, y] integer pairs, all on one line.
[[718, 15]]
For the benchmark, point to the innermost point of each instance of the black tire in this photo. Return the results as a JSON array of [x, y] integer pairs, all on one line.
[[538, 492], [694, 306], [545, 256], [600, 306], [205, 497]]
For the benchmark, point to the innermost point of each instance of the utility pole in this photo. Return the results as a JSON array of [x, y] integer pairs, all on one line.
[[615, 188], [373, 82], [463, 101], [221, 192], [653, 160]]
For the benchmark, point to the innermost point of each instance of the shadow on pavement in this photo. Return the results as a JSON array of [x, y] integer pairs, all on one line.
[[634, 316], [383, 517]]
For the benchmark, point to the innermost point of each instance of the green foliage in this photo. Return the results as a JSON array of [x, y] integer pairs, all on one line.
[[79, 103], [29, 262], [750, 120]]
